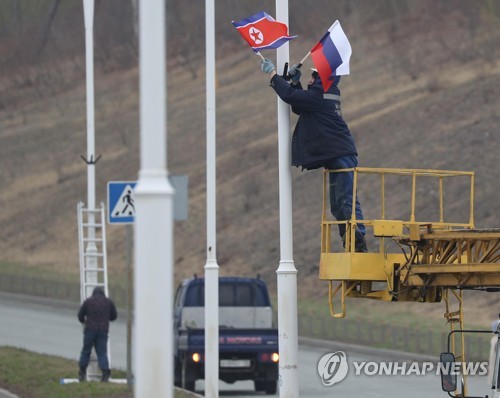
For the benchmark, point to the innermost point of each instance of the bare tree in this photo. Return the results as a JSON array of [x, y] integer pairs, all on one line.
[[48, 23], [135, 14], [18, 16]]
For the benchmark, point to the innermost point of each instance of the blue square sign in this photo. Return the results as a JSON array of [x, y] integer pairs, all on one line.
[[121, 209]]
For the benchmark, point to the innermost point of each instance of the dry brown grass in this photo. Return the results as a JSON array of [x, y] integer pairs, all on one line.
[[445, 116]]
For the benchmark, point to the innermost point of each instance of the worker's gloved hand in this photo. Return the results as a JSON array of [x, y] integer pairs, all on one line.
[[267, 66], [295, 73]]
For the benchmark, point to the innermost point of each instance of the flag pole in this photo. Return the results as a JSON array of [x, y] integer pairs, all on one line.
[[260, 55], [303, 59]]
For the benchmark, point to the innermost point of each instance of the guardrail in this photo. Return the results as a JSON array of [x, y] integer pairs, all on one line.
[[382, 335], [60, 290], [356, 331]]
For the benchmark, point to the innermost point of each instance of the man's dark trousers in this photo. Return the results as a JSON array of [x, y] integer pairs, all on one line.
[[99, 340], [341, 186]]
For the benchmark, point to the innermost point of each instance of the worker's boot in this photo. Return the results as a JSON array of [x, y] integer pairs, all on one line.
[[365, 287], [82, 373], [106, 374], [360, 244]]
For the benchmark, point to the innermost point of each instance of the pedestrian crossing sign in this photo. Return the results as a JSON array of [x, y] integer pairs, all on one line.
[[121, 199]]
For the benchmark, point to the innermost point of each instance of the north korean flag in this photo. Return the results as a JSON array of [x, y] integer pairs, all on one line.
[[262, 32]]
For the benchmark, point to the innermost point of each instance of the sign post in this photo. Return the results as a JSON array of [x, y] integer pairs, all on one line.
[[121, 210]]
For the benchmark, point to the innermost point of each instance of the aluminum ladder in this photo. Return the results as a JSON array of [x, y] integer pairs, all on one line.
[[93, 264]]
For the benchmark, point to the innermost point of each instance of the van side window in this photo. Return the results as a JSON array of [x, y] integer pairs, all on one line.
[[178, 295], [195, 296], [261, 298]]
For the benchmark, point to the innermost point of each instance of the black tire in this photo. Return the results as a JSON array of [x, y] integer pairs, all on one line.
[[259, 385], [269, 387], [177, 372]]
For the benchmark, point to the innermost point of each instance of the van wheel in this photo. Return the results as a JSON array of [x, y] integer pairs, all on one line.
[[269, 387]]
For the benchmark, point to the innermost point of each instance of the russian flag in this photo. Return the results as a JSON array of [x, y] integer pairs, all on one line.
[[262, 32], [331, 55]]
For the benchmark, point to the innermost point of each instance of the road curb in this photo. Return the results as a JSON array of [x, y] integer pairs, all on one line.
[[37, 300], [6, 394], [359, 349]]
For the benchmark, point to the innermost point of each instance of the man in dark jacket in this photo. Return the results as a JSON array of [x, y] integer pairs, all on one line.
[[322, 139], [96, 312]]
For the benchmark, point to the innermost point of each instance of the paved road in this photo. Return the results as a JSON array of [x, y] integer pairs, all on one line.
[[356, 385], [6, 394], [50, 327], [43, 327]]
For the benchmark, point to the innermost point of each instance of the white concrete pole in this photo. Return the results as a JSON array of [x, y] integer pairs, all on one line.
[[286, 273], [211, 266], [91, 259], [91, 249], [88, 10], [88, 13], [153, 348]]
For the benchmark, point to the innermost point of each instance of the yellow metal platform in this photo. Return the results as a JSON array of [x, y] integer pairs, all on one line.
[[431, 254], [434, 260], [358, 266]]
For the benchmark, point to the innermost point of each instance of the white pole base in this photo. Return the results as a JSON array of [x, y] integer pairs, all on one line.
[[69, 381]]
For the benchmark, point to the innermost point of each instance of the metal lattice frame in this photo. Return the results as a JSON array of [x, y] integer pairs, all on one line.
[[458, 258]]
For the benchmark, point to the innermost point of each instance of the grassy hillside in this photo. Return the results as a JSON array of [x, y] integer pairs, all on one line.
[[423, 93]]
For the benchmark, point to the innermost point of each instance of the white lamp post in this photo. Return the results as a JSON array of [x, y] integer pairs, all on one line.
[[286, 273], [153, 351], [211, 266]]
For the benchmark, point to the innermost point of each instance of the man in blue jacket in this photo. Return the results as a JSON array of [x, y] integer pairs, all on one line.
[[322, 139]]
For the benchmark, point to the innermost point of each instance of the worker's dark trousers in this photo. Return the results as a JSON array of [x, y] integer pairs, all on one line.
[[341, 185], [99, 340]]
